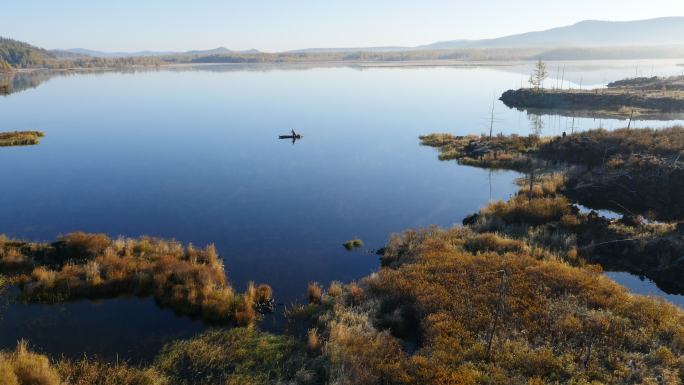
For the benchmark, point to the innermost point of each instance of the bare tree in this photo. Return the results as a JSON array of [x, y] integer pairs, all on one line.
[[499, 311], [491, 121]]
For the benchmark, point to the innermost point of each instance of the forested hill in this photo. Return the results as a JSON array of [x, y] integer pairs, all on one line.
[[22, 55], [18, 55]]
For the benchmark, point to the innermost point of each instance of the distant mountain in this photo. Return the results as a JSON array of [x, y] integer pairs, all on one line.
[[102, 54], [592, 39], [93, 53], [666, 31], [590, 33]]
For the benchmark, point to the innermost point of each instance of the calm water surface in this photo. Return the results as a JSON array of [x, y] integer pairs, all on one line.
[[194, 155]]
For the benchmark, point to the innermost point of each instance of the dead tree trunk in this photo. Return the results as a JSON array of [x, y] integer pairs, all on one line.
[[500, 306]]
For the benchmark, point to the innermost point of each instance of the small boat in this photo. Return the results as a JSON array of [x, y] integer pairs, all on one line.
[[290, 136]]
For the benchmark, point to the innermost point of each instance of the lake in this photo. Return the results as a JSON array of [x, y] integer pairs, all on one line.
[[193, 154]]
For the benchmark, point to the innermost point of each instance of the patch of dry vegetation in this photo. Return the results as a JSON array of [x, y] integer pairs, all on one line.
[[80, 265], [237, 356], [637, 171], [596, 147], [90, 372], [497, 152], [20, 138], [546, 219], [23, 367], [485, 309]]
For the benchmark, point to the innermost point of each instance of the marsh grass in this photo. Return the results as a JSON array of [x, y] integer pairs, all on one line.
[[20, 138], [79, 265], [513, 297], [235, 356], [86, 371], [523, 210], [495, 152], [23, 367], [448, 284], [595, 147]]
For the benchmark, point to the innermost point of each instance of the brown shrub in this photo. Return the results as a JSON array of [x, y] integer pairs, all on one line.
[[264, 293], [356, 293], [315, 292], [335, 289], [80, 245], [313, 341]]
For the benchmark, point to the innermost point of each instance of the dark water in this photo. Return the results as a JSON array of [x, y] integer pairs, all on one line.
[[644, 286], [194, 155]]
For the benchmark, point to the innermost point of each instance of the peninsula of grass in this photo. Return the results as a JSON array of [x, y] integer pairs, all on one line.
[[20, 138], [353, 244], [634, 172], [79, 265], [639, 171], [461, 307]]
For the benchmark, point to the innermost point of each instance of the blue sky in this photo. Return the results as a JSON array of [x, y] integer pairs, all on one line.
[[272, 25]]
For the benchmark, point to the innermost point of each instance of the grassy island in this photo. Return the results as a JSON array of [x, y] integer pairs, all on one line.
[[20, 138], [79, 265]]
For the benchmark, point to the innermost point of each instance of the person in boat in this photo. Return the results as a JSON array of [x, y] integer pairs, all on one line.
[[294, 134]]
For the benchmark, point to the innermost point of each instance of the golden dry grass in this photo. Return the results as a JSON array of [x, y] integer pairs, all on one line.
[[504, 316], [20, 138], [80, 265]]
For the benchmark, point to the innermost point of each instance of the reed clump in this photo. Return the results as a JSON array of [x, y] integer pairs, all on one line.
[[315, 292], [20, 138], [79, 265], [23, 367]]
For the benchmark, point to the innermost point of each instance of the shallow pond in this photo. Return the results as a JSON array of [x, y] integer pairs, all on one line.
[[193, 154]]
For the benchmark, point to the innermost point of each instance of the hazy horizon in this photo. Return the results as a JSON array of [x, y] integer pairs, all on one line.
[[271, 26]]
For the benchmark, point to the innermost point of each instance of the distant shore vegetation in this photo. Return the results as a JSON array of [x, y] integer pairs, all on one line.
[[16, 55]]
